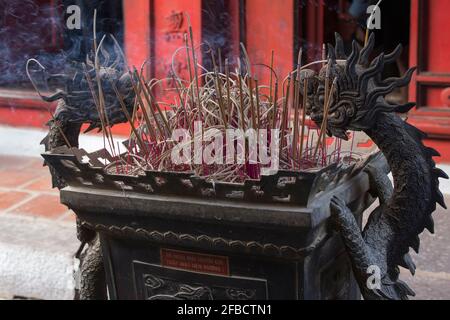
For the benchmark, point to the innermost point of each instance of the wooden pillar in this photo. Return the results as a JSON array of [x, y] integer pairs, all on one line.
[[311, 22], [235, 8], [137, 31], [270, 26], [430, 86], [171, 22]]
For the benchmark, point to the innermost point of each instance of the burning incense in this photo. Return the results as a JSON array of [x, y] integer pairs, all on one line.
[[96, 103], [325, 114], [324, 54], [127, 115], [100, 98], [275, 107], [271, 77], [241, 99], [369, 21], [194, 59], [57, 123], [250, 86], [252, 103], [296, 105], [302, 134], [285, 113], [325, 118], [153, 104], [220, 99], [258, 116], [142, 107], [227, 74], [188, 59]]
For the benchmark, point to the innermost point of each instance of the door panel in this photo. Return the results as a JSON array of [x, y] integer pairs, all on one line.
[[430, 44]]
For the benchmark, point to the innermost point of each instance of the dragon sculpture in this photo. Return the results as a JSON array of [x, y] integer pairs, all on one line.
[[76, 106], [358, 103]]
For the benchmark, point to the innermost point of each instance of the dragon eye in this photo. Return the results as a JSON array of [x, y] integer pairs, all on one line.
[[337, 117], [335, 114], [350, 112], [321, 99]]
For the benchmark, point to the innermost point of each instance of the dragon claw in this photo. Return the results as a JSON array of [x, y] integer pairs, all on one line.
[[336, 204], [338, 210]]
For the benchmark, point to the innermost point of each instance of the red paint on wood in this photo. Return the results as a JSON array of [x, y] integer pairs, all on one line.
[[433, 126], [270, 26], [137, 31], [233, 7], [443, 146], [434, 40], [428, 45], [313, 12], [445, 97], [24, 117], [26, 109], [413, 44], [171, 22]]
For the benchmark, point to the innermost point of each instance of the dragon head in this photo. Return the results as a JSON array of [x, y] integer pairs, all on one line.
[[82, 95], [355, 91], [81, 86]]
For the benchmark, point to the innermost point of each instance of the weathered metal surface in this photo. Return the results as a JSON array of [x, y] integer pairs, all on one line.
[[273, 233], [79, 168]]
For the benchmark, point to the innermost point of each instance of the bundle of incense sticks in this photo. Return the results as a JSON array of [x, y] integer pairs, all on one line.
[[226, 97]]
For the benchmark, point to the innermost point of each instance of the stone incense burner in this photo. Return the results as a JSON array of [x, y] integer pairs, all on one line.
[[293, 235]]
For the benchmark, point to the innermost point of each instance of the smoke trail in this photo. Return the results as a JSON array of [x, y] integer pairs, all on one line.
[[32, 29]]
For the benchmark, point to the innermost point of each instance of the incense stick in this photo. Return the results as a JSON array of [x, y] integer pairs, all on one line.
[[296, 105], [284, 114], [258, 115], [144, 110], [275, 107], [252, 103], [271, 77], [127, 115], [194, 59], [302, 134], [241, 97], [324, 120], [227, 74]]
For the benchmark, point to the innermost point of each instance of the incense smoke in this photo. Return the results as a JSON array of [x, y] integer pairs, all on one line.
[[31, 29]]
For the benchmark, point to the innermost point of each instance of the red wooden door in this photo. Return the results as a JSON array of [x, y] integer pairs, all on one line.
[[270, 26], [136, 17], [170, 23], [283, 26], [430, 45]]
